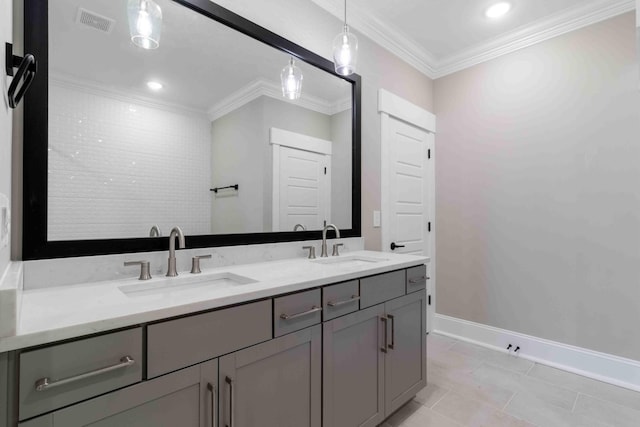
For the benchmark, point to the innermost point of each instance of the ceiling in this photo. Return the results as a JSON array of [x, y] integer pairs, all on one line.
[[201, 69], [440, 37]]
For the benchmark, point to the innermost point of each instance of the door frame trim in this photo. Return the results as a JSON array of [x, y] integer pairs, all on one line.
[[393, 106]]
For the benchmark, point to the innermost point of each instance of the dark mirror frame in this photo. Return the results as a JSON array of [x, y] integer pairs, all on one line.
[[35, 175]]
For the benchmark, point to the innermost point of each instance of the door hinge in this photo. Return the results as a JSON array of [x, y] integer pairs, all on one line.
[[429, 300], [429, 153], [325, 170], [429, 226]]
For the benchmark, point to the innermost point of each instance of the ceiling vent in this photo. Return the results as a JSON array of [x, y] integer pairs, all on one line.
[[91, 19]]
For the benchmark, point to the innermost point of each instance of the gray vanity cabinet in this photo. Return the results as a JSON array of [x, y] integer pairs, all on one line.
[[374, 361], [405, 361], [273, 384], [181, 398], [353, 369]]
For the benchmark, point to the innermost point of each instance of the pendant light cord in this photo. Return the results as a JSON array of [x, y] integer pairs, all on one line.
[[345, 12]]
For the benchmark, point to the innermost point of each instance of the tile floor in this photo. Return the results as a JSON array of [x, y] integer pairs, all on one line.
[[471, 386]]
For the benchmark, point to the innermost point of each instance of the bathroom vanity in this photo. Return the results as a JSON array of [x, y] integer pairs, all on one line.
[[337, 341]]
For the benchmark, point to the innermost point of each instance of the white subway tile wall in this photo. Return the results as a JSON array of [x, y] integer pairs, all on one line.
[[116, 168]]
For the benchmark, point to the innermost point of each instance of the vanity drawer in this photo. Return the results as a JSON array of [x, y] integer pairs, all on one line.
[[416, 278], [296, 311], [381, 288], [178, 343], [78, 370], [340, 299]]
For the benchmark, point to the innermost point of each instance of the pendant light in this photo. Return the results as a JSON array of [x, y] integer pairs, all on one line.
[[345, 49], [145, 23], [291, 79]]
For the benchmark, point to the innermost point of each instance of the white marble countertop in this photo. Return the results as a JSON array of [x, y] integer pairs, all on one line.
[[53, 314]]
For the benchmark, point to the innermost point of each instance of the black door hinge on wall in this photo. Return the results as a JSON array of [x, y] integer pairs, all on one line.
[[429, 226], [429, 153], [325, 170], [429, 300]]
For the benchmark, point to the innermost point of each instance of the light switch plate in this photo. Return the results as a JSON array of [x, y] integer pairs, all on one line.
[[376, 219], [5, 221]]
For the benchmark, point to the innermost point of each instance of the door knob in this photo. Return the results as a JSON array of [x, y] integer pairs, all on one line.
[[394, 246]]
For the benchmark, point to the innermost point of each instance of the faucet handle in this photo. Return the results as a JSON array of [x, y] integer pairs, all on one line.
[[195, 263], [145, 268], [312, 251], [336, 247]]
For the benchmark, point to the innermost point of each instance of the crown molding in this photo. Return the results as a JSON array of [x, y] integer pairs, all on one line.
[[262, 87], [415, 55], [371, 27], [93, 88], [554, 26]]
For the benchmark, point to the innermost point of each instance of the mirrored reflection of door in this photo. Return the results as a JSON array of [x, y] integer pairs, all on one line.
[[302, 184]]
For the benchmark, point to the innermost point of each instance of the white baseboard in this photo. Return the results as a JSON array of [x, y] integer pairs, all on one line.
[[599, 366]]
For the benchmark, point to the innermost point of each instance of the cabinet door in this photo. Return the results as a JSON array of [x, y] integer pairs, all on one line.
[[406, 359], [353, 369], [168, 401], [273, 384], [209, 393]]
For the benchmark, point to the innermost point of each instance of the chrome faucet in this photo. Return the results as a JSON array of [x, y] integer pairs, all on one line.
[[175, 232], [155, 231], [295, 227], [324, 238]]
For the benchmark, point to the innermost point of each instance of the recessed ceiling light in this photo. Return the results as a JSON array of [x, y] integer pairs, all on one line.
[[498, 10], [154, 85]]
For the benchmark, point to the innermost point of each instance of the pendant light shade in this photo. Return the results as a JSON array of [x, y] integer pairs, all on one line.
[[345, 49], [291, 79], [145, 23]]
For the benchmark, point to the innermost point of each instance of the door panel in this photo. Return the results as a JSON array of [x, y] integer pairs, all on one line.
[[274, 384], [406, 359], [409, 187], [305, 191], [353, 380]]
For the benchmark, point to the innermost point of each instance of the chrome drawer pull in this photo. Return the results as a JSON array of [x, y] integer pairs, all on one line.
[[46, 382], [232, 408], [212, 390], [314, 309], [419, 279], [347, 301], [384, 320]]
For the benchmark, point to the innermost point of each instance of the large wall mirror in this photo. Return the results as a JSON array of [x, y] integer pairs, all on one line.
[[122, 142]]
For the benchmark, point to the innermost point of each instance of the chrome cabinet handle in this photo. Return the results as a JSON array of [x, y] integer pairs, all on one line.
[[384, 347], [46, 382], [231, 406], [419, 279], [393, 331], [347, 301], [212, 390], [314, 309]]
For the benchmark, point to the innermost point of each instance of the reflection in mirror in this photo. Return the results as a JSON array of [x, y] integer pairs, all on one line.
[[138, 138]]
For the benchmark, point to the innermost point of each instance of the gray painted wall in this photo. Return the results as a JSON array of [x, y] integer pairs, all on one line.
[[341, 159], [6, 29], [241, 154], [538, 190]]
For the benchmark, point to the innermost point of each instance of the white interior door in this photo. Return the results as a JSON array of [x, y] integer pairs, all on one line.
[[301, 180], [305, 192], [408, 184]]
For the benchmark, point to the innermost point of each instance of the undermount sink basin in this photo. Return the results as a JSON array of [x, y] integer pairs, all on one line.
[[181, 284], [349, 260]]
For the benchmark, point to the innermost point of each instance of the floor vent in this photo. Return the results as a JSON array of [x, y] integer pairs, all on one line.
[[98, 22]]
